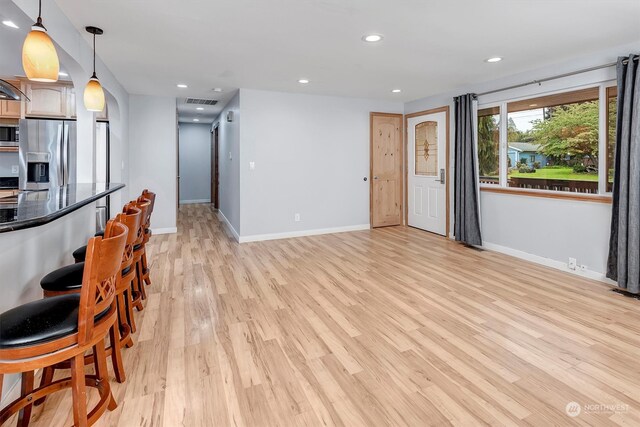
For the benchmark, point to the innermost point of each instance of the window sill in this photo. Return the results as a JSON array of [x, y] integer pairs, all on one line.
[[594, 198]]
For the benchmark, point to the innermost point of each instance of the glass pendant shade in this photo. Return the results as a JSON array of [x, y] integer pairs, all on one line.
[[94, 95], [39, 56]]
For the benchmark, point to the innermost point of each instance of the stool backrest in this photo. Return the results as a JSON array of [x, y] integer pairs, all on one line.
[[146, 216], [144, 208], [130, 217], [151, 196], [101, 269]]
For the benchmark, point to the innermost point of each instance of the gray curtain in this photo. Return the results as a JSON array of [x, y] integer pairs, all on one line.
[[623, 264], [466, 209]]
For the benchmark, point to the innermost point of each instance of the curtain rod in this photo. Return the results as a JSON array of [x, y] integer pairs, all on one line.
[[559, 76]]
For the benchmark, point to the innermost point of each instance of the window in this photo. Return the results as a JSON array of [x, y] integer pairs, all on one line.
[[489, 145], [553, 143]]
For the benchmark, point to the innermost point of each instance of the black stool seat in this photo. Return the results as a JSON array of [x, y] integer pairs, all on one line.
[[66, 278], [41, 321], [80, 254]]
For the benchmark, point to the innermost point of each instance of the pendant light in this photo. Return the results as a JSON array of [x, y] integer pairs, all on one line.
[[39, 56], [93, 93]]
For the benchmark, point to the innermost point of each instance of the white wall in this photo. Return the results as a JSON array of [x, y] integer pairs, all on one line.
[[557, 229], [229, 164], [311, 154], [153, 154], [195, 163]]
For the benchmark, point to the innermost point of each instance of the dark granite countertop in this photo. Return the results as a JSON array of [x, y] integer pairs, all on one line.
[[34, 208]]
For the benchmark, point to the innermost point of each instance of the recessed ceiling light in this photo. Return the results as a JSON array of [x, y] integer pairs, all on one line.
[[63, 74], [303, 81], [372, 38], [10, 24], [493, 59], [199, 108], [396, 90], [217, 89], [182, 85], [196, 120]]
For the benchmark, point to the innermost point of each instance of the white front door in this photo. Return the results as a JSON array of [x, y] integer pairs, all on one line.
[[427, 160]]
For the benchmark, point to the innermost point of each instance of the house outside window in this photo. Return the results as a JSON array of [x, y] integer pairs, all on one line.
[[552, 143]]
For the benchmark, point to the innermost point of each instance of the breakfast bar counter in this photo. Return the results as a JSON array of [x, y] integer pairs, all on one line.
[[34, 208]]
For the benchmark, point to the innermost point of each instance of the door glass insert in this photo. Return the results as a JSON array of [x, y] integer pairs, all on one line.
[[426, 146]]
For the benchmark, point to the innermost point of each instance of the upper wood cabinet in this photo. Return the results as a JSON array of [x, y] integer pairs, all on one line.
[[54, 100], [46, 100], [10, 109]]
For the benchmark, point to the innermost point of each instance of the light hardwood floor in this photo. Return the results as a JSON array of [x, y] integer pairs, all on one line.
[[387, 327]]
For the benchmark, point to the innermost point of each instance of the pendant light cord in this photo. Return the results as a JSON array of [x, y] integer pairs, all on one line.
[[39, 20], [94, 54]]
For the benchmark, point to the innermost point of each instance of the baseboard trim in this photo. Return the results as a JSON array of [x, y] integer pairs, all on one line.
[[302, 233], [548, 262], [227, 223], [168, 230], [194, 202]]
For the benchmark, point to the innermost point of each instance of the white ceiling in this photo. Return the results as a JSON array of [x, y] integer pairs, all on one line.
[[429, 46]]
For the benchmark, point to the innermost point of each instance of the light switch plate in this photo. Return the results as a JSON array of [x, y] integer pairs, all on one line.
[[14, 169], [252, 165]]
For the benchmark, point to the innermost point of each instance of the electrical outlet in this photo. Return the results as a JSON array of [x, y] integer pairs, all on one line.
[[572, 264], [14, 169], [583, 267], [296, 217], [252, 165]]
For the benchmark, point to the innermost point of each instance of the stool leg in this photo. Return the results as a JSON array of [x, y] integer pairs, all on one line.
[[26, 388], [46, 379], [101, 371], [129, 304], [116, 355], [79, 391], [145, 268], [124, 325], [140, 274]]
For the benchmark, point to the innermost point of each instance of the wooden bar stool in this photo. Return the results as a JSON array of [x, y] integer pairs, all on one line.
[[67, 280], [139, 251], [151, 196], [52, 330]]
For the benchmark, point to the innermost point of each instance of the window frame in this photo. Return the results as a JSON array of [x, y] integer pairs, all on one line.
[[602, 196]]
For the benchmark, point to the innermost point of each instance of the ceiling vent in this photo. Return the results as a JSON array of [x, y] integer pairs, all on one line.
[[198, 101]]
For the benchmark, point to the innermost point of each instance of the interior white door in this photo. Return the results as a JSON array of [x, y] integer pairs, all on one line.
[[426, 172]]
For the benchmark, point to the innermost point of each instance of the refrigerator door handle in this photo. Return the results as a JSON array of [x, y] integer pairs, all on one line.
[[65, 155], [59, 159]]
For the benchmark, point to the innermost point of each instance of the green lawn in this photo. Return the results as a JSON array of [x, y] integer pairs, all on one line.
[[556, 173]]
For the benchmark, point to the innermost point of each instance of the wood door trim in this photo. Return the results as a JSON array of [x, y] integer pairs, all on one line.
[[447, 175], [402, 161]]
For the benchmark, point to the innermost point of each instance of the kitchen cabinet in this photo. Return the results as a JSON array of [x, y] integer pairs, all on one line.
[[10, 109], [46, 100]]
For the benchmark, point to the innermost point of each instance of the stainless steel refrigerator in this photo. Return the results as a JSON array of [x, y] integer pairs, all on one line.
[[47, 154]]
